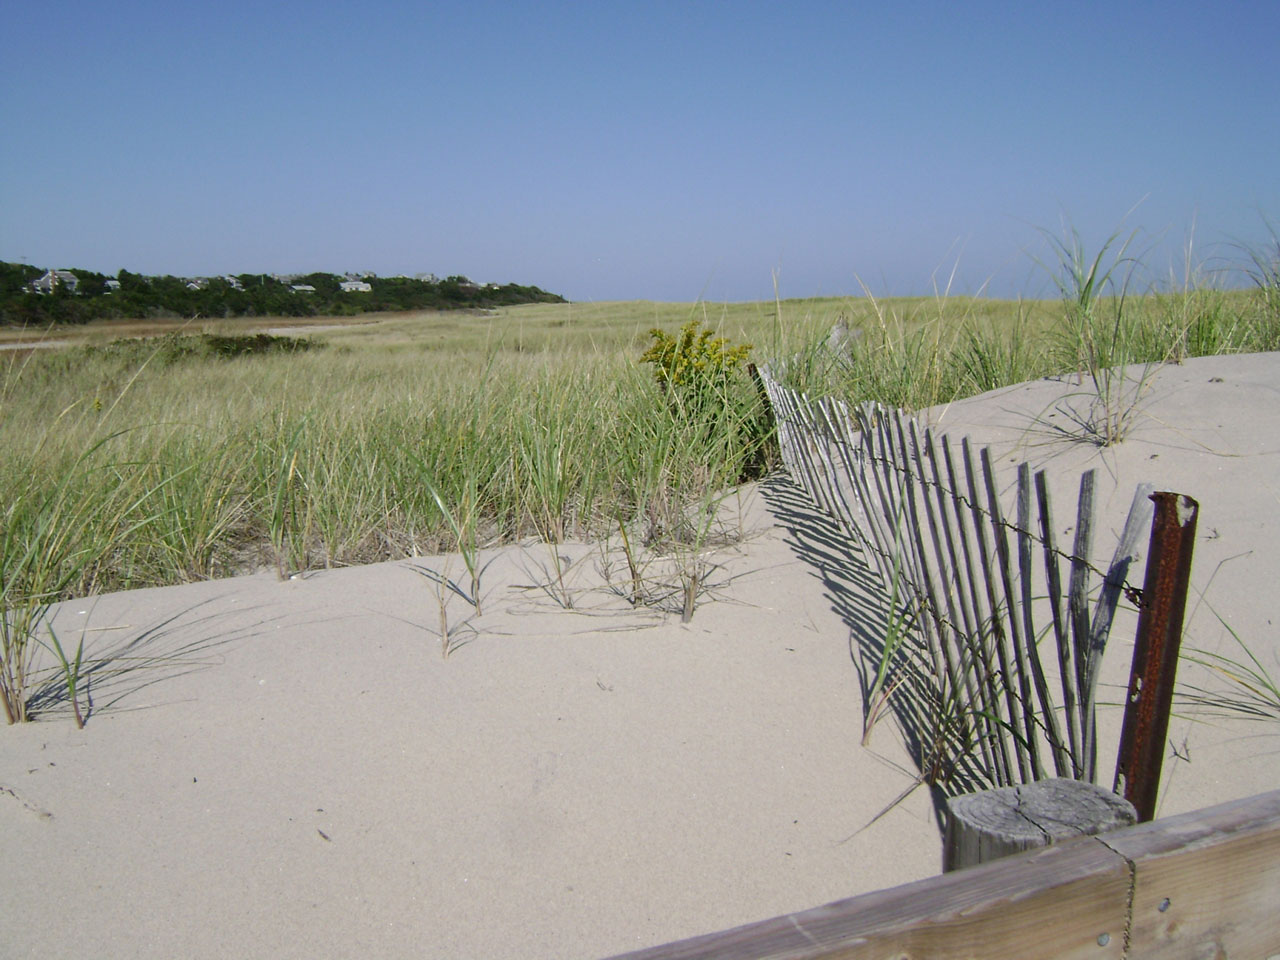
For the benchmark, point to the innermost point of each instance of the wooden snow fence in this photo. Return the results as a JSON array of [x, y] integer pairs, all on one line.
[[968, 602]]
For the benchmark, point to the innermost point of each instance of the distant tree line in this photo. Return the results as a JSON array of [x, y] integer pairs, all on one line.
[[133, 296]]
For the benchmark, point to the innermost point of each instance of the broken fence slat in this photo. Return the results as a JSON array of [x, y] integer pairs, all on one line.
[[1136, 524]]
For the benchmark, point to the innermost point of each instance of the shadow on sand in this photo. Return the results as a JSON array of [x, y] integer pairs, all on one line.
[[858, 598], [115, 669]]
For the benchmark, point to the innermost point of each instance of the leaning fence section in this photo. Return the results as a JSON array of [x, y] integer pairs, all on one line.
[[974, 592]]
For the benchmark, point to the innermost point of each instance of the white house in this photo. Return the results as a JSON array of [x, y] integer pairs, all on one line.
[[53, 279], [355, 286], [302, 288]]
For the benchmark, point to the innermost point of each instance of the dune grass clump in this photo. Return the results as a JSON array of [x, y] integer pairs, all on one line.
[[1243, 686], [1099, 336], [1261, 264]]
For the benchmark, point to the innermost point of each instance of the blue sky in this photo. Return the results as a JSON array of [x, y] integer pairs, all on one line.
[[635, 150]]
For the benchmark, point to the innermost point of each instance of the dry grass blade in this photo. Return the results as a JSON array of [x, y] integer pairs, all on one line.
[[1248, 688]]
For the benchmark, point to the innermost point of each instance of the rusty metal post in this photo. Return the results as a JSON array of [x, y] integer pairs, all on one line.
[[1155, 651]]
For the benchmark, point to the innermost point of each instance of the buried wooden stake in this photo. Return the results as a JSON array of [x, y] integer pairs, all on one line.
[[991, 824], [1155, 652]]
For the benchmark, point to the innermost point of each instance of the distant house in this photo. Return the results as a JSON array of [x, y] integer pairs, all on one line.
[[112, 285], [355, 286], [199, 283], [302, 288], [233, 282], [53, 279]]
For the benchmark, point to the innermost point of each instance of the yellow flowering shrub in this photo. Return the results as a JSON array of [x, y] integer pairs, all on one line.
[[693, 358]]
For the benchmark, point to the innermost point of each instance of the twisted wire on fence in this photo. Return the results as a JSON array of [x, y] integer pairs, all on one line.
[[967, 606]]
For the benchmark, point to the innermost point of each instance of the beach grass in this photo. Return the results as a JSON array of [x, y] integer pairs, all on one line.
[[424, 433], [184, 457], [160, 461]]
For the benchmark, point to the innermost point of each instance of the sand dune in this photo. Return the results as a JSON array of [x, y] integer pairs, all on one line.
[[292, 769]]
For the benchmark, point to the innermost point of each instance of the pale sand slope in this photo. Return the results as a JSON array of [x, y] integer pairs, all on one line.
[[320, 783]]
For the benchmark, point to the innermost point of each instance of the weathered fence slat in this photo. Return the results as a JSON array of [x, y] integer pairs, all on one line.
[[980, 634], [1048, 711], [1021, 708], [1062, 635], [967, 629], [1136, 524], [930, 605], [1078, 611], [998, 615]]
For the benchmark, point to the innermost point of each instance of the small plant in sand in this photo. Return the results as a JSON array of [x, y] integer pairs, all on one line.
[[554, 577], [462, 521], [668, 539], [446, 588], [670, 561], [693, 549], [1242, 686], [70, 672], [635, 589], [463, 525], [1100, 331]]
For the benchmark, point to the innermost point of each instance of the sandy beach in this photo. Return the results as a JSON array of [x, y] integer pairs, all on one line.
[[276, 769]]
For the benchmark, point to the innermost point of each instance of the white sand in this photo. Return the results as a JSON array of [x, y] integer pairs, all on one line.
[[299, 773]]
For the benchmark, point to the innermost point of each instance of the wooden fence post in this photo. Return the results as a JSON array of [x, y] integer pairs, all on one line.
[[991, 824]]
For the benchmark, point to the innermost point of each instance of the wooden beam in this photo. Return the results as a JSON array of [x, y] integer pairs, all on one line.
[[1053, 904], [1204, 884]]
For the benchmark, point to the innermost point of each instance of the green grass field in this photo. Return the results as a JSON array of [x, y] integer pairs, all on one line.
[[533, 420]]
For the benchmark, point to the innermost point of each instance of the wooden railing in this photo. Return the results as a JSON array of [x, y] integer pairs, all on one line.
[[1199, 885]]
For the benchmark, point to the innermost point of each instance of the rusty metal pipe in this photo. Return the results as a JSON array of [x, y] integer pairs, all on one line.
[[1155, 652]]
